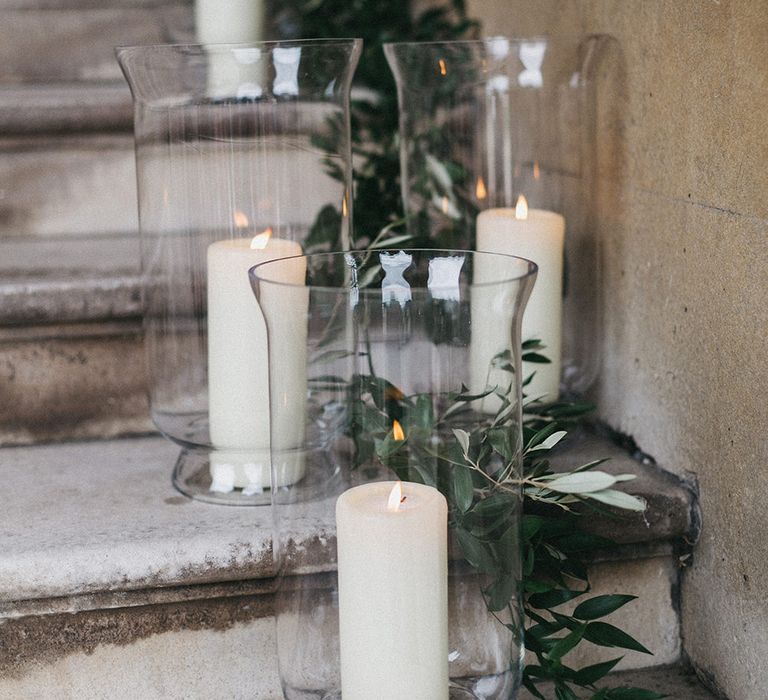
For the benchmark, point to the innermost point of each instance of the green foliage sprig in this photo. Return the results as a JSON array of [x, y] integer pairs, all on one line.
[[472, 469], [374, 113], [479, 472]]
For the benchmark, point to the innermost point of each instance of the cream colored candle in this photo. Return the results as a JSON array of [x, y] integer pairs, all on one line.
[[228, 21], [393, 592], [238, 368], [231, 74], [537, 235]]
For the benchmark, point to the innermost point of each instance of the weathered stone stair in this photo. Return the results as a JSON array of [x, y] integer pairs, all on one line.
[[112, 584]]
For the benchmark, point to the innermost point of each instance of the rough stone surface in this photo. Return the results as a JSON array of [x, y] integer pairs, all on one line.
[[67, 186], [671, 508], [682, 217], [93, 517], [212, 650], [68, 382], [64, 42], [65, 108], [653, 619], [102, 560], [135, 531]]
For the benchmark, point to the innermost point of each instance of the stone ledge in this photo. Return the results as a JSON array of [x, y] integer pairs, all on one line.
[[84, 519], [677, 682], [66, 107], [672, 512]]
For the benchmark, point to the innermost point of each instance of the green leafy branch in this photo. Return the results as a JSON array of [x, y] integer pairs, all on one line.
[[490, 480]]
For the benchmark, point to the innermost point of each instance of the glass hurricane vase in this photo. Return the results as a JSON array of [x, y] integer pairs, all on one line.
[[396, 453], [242, 155], [498, 153]]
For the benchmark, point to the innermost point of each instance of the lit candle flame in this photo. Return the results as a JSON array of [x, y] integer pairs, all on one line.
[[260, 240], [521, 209], [480, 191], [344, 207], [241, 220], [443, 67], [536, 171], [397, 430], [444, 205], [395, 498]]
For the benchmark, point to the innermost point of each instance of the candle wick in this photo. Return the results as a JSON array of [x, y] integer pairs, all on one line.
[[402, 500]]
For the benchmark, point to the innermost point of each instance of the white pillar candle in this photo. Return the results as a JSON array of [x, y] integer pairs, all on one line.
[[537, 235], [393, 592], [238, 368], [230, 22]]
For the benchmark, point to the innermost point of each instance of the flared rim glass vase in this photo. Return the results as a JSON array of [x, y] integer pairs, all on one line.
[[487, 125], [242, 155], [397, 455]]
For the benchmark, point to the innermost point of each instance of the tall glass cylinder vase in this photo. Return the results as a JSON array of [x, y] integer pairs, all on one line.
[[242, 155], [498, 153], [398, 503]]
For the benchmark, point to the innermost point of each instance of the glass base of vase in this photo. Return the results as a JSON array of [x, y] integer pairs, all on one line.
[[202, 477]]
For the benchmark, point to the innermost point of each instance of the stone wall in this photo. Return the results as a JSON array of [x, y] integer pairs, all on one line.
[[686, 283]]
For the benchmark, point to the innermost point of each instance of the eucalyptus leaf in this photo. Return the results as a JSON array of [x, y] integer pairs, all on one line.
[[589, 675], [550, 442], [601, 605], [536, 358], [563, 692], [475, 552], [462, 437], [541, 435], [500, 440], [391, 242], [553, 598], [567, 643], [581, 482], [501, 592], [619, 499], [606, 635], [462, 488]]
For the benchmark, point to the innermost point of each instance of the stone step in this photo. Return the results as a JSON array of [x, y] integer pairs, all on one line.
[[676, 682], [74, 40], [105, 569], [57, 108]]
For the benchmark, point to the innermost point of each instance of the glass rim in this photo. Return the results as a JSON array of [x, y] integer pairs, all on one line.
[[486, 40], [530, 271], [273, 44]]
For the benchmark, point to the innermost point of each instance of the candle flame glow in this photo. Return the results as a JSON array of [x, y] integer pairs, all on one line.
[[260, 240], [536, 171], [397, 430], [444, 205], [241, 220], [521, 209], [344, 207], [395, 498], [443, 67], [480, 191]]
